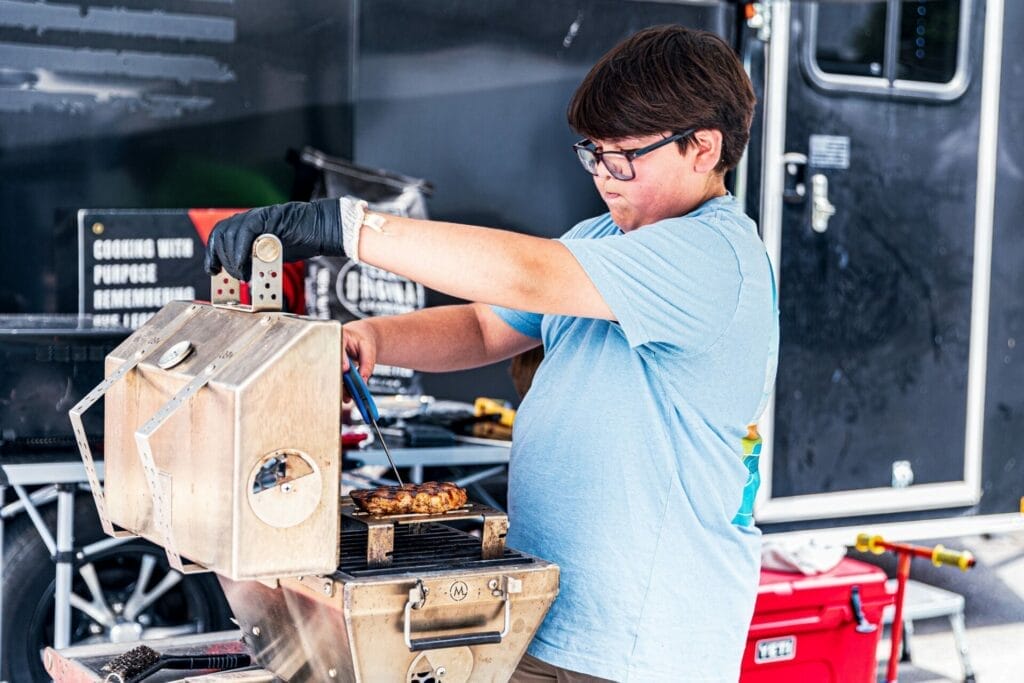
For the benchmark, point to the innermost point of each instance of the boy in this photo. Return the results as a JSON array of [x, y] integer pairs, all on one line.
[[660, 336]]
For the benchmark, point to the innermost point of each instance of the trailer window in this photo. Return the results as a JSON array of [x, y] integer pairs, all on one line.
[[851, 39], [928, 40], [914, 47]]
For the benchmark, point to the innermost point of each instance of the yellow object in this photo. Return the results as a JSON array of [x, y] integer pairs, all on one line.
[[492, 430], [490, 406], [868, 543], [941, 556]]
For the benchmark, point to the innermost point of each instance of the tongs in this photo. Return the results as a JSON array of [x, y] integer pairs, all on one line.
[[367, 408]]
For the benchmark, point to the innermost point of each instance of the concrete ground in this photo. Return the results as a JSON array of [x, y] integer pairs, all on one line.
[[994, 607]]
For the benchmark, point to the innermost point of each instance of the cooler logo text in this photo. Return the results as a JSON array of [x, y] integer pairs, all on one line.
[[775, 650]]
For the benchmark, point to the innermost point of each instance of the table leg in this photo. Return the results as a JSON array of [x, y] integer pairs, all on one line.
[[65, 561]]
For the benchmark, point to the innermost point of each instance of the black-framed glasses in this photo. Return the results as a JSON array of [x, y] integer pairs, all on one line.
[[620, 162]]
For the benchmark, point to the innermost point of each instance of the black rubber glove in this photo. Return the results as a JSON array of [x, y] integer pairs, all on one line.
[[304, 228]]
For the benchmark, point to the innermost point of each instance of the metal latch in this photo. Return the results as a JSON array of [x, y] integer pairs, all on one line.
[[794, 190], [418, 595], [265, 288]]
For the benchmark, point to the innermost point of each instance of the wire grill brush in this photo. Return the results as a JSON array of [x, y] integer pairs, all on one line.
[[142, 661]]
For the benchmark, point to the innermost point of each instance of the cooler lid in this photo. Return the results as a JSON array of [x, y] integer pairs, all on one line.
[[789, 590]]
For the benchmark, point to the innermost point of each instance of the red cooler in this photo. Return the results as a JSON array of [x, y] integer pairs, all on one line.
[[822, 628]]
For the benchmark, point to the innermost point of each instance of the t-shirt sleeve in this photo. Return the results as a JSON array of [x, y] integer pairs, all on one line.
[[528, 323], [675, 282], [522, 322]]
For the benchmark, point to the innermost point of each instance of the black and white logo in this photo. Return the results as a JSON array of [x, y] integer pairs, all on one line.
[[775, 650], [458, 591]]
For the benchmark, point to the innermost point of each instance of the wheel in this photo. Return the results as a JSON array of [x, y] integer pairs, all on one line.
[[120, 594]]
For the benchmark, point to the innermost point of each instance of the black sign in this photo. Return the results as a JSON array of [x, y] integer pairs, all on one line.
[[131, 263]]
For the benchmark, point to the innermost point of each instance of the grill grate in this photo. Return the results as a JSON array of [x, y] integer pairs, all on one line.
[[421, 547]]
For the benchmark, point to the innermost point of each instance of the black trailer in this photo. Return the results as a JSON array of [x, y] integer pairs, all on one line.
[[888, 187], [885, 172]]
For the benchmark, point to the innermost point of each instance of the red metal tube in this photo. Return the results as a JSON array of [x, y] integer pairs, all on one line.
[[902, 574]]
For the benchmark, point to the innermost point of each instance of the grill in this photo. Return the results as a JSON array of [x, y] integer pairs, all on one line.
[[414, 599], [222, 446]]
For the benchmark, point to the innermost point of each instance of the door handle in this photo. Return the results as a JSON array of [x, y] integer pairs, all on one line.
[[821, 208]]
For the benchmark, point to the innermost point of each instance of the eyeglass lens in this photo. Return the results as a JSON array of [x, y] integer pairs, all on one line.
[[617, 164]]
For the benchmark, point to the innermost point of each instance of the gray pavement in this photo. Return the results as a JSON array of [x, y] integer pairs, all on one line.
[[994, 610]]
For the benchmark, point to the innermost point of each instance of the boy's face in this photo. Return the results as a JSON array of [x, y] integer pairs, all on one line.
[[668, 182]]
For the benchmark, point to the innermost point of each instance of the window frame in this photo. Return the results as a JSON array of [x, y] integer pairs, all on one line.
[[887, 84]]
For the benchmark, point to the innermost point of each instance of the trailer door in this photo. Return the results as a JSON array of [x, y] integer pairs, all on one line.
[[877, 210]]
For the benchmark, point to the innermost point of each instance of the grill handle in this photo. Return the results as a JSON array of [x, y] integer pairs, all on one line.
[[462, 639], [418, 597]]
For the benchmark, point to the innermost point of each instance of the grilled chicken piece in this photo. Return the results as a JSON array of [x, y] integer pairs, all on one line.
[[427, 498]]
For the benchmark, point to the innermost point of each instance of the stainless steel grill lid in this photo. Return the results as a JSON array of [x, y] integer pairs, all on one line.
[[221, 440]]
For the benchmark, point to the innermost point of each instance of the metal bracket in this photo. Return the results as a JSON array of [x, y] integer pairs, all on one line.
[[265, 288], [380, 544], [225, 290], [493, 538], [149, 343], [323, 585]]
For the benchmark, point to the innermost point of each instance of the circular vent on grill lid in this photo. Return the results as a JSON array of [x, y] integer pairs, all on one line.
[[285, 487]]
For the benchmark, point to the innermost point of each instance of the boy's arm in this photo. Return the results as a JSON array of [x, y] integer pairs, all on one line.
[[476, 264], [438, 339], [483, 264]]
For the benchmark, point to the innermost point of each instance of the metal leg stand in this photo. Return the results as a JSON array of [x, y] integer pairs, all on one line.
[[956, 621], [65, 561]]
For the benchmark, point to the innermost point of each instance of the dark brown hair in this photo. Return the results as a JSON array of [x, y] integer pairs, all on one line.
[[667, 78]]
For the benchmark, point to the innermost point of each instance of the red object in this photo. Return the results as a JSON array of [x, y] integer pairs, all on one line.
[[902, 574], [352, 439], [808, 628], [294, 273]]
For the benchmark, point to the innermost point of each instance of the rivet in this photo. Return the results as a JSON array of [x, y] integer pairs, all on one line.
[[332, 672], [256, 631], [97, 228], [267, 249]]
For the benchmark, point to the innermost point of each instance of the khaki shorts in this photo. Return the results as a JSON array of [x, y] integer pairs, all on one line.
[[532, 670]]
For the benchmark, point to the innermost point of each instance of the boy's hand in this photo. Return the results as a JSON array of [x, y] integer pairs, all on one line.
[[304, 228], [360, 344]]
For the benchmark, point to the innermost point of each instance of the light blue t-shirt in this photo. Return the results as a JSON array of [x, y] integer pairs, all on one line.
[[627, 465]]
